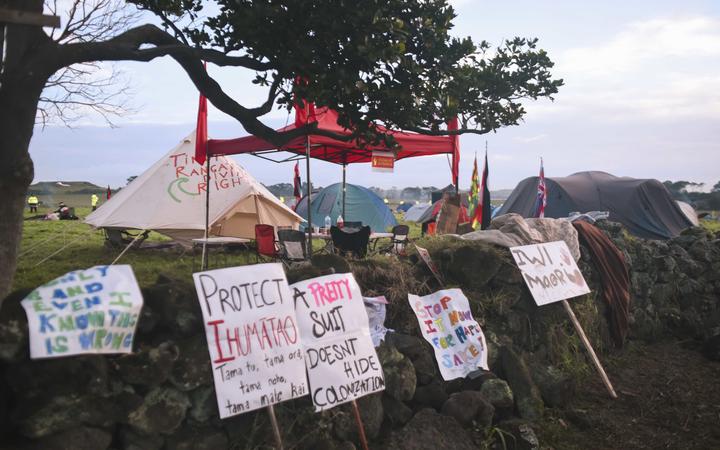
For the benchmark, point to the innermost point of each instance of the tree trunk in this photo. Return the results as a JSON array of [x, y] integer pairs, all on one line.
[[23, 76]]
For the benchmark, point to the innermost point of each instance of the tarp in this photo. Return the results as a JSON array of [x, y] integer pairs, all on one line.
[[413, 214], [361, 205], [689, 212], [341, 152], [169, 197], [644, 206], [430, 214]]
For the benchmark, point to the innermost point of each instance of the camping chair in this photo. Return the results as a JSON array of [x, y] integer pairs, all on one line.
[[265, 242], [350, 243], [292, 245], [353, 225], [399, 240]]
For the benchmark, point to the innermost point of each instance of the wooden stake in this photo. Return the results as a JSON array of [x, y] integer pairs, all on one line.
[[276, 429], [588, 347], [361, 427]]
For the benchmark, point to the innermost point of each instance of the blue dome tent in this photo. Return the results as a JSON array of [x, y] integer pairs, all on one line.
[[361, 205]]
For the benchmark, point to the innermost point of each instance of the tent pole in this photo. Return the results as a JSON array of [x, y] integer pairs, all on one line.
[[207, 211], [308, 193], [343, 191]]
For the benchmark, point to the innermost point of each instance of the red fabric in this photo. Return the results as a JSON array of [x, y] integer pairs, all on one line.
[[297, 184], [455, 144], [109, 193], [201, 133], [340, 152], [265, 240]]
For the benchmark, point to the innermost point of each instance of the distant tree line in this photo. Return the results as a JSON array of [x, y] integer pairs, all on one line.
[[688, 191]]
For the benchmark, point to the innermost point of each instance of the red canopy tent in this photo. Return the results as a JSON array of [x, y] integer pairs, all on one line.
[[334, 150]]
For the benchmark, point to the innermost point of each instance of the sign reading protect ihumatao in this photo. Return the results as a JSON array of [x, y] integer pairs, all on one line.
[[252, 337], [85, 311]]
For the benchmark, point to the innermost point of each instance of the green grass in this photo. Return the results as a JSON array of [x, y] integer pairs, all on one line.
[[87, 249], [711, 225]]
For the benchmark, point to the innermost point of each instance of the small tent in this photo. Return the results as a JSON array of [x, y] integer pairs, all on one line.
[[169, 198], [414, 213], [361, 205], [431, 213], [644, 206], [404, 206]]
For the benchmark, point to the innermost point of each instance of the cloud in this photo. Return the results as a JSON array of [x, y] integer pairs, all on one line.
[[527, 140], [656, 69]]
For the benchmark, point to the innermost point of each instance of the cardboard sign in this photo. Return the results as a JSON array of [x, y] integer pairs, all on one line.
[[549, 271], [85, 311], [341, 361], [425, 256], [252, 337], [383, 161], [447, 219], [447, 324]]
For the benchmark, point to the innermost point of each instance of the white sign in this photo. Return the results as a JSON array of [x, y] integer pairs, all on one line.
[[549, 271], [85, 311], [447, 324], [252, 336], [375, 309], [339, 354]]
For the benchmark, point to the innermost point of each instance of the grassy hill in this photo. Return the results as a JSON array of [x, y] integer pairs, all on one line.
[[73, 193]]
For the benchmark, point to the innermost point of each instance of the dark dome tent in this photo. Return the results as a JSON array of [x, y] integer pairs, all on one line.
[[644, 206]]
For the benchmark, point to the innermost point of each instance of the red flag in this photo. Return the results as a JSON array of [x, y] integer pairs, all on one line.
[[109, 193], [486, 214], [297, 187], [201, 133], [453, 125]]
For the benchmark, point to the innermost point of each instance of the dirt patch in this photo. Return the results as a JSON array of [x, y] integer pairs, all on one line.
[[669, 397]]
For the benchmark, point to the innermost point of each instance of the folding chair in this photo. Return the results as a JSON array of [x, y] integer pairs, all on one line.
[[399, 240], [354, 243], [292, 245], [265, 242], [354, 226], [116, 238]]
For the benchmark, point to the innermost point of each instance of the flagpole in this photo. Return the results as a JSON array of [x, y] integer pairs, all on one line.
[[309, 192], [207, 210]]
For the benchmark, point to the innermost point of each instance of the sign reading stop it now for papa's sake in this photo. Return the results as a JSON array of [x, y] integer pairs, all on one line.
[[447, 324], [339, 354], [85, 311], [252, 337], [549, 271]]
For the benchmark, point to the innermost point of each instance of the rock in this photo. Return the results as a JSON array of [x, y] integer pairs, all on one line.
[[86, 374], [524, 437], [371, 413], [429, 430], [497, 393], [466, 406], [174, 305], [324, 262], [150, 366], [711, 348], [556, 387], [400, 378], [396, 412], [197, 438], [527, 396], [13, 327], [130, 440], [192, 368], [411, 346], [432, 395], [426, 369], [54, 415], [162, 411], [80, 438], [204, 404]]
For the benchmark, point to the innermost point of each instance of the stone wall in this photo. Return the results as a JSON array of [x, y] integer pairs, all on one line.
[[162, 395]]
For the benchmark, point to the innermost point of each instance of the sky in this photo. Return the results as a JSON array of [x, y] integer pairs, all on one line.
[[641, 99]]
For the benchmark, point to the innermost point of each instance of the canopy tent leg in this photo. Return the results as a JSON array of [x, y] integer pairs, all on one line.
[[308, 192], [344, 184], [203, 264]]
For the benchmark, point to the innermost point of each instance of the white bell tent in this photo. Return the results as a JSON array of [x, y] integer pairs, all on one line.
[[169, 198]]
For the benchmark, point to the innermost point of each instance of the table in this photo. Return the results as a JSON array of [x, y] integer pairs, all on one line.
[[328, 241], [223, 242], [375, 237]]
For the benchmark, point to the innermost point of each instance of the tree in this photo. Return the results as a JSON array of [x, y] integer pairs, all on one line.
[[391, 60], [716, 187], [130, 179]]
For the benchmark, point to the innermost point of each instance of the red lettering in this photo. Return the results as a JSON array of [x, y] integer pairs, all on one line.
[[215, 324]]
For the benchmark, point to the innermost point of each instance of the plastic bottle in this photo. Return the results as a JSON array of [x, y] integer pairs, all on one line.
[[328, 222], [340, 222]]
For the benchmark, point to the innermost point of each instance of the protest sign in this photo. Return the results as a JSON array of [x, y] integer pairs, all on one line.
[[549, 271], [447, 324], [252, 337], [85, 311], [425, 256], [375, 309], [339, 354]]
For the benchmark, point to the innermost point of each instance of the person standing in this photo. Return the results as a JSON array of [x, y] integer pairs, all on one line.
[[33, 203], [94, 201]]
